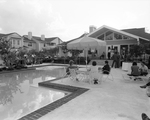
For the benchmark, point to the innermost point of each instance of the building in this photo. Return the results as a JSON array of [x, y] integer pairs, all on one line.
[[30, 42], [40, 43], [119, 40], [15, 39]]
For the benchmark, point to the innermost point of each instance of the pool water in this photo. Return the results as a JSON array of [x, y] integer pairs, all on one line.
[[20, 93]]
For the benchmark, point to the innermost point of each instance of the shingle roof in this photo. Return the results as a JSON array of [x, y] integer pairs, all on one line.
[[26, 39], [1, 35], [33, 38], [39, 38], [50, 39], [138, 31]]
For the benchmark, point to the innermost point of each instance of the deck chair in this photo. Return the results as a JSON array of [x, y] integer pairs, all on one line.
[[108, 76], [71, 74]]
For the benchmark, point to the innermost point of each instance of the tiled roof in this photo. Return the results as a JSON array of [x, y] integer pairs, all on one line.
[[138, 31]]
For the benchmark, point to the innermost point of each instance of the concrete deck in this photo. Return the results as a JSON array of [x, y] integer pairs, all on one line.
[[121, 99]]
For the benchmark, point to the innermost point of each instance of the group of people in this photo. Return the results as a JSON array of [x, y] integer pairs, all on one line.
[[138, 71], [94, 68], [135, 71]]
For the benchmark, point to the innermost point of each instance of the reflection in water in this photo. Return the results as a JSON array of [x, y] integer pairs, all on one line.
[[20, 93]]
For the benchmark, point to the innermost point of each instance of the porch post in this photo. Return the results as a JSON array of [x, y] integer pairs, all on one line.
[[138, 41]]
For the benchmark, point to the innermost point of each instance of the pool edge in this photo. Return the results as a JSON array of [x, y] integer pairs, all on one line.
[[75, 91]]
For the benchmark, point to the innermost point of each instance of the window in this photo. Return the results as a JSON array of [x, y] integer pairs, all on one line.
[[13, 41], [117, 36], [18, 42], [109, 35], [125, 37], [29, 44], [101, 37]]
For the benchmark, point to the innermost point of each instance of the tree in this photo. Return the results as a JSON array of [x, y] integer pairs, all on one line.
[[5, 46], [137, 50], [7, 55]]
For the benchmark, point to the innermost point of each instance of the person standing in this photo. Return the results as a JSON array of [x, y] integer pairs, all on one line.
[[143, 69], [118, 60], [109, 53], [114, 58]]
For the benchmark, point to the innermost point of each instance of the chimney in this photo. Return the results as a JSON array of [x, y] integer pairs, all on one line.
[[42, 37], [29, 35], [92, 28]]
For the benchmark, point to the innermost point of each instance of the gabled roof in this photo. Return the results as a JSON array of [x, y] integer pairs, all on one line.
[[50, 39], [65, 43], [12, 33], [105, 28], [44, 41], [38, 39], [34, 38], [2, 35], [26, 39], [139, 32]]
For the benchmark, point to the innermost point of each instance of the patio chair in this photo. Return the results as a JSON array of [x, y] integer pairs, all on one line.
[[72, 74], [76, 75], [108, 76], [94, 75]]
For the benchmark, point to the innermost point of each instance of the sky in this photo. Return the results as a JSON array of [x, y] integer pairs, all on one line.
[[69, 19]]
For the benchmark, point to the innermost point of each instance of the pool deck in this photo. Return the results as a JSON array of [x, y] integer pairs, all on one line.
[[120, 99]]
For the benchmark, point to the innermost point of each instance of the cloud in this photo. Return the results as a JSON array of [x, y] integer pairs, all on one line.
[[37, 16], [26, 15]]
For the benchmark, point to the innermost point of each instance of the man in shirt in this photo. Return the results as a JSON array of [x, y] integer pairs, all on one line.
[[106, 68]]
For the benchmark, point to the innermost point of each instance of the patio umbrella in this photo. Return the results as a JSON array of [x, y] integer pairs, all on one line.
[[87, 43]]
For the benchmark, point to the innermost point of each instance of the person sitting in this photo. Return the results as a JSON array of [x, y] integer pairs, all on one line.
[[102, 56], [143, 69], [71, 66], [106, 68], [134, 70], [94, 72]]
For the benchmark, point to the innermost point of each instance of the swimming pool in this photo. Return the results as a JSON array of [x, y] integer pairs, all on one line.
[[20, 93]]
